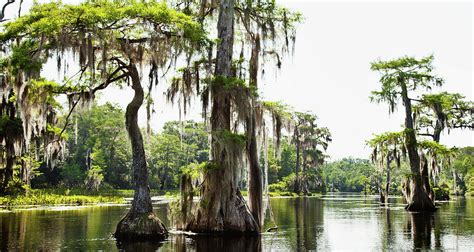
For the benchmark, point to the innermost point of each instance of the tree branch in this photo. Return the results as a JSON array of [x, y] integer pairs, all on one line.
[[2, 14], [425, 134], [417, 100]]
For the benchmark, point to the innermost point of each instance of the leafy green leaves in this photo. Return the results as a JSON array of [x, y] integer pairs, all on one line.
[[403, 73]]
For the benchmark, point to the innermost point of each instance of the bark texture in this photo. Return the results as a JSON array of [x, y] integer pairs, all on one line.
[[222, 207], [186, 203], [140, 222], [255, 173], [417, 198]]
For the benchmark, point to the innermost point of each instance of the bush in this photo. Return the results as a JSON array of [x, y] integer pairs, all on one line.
[[470, 186], [441, 192], [94, 178], [73, 175], [285, 185]]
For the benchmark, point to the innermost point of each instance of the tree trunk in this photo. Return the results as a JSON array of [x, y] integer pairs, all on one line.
[[187, 194], [140, 222], [297, 188], [455, 183], [255, 178], [8, 170], [440, 118], [416, 197], [222, 207], [385, 193], [426, 178]]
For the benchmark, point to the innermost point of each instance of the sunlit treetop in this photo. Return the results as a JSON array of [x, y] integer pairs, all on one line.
[[450, 110], [391, 146], [277, 108], [387, 146], [386, 139], [127, 18], [104, 37], [438, 155], [308, 132], [406, 73], [101, 32]]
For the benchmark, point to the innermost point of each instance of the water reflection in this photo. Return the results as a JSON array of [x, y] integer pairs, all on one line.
[[140, 246], [336, 222], [421, 227]]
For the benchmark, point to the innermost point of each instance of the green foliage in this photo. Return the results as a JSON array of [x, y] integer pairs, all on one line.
[[441, 192], [232, 139], [387, 138], [55, 19], [101, 132], [181, 147], [435, 112], [284, 185], [165, 160], [351, 175], [94, 177], [403, 63], [56, 131], [16, 187], [463, 165], [36, 197], [233, 86], [403, 73], [287, 159], [278, 108], [10, 127], [22, 58], [72, 174]]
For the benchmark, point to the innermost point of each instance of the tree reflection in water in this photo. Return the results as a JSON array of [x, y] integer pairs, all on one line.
[[139, 245], [227, 243], [421, 227]]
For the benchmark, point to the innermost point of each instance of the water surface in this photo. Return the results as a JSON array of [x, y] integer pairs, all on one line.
[[332, 222]]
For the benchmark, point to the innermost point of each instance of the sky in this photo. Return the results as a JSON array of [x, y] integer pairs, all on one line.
[[329, 72]]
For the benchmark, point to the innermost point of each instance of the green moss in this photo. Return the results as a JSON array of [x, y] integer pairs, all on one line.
[[230, 138], [231, 84]]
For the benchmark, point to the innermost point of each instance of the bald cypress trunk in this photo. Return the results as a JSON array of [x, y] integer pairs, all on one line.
[[222, 207], [140, 222], [416, 196], [297, 186], [255, 179], [385, 192], [8, 170]]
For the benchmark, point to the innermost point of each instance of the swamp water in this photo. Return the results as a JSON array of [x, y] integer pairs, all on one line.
[[333, 222]]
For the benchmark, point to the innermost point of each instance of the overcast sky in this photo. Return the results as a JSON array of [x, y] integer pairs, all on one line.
[[329, 73]]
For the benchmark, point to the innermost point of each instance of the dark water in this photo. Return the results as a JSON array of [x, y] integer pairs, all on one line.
[[334, 222]]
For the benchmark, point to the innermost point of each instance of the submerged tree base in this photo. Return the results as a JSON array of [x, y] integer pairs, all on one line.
[[224, 215], [417, 198], [140, 227]]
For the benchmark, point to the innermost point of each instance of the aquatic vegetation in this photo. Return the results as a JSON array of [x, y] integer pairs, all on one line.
[[44, 198]]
